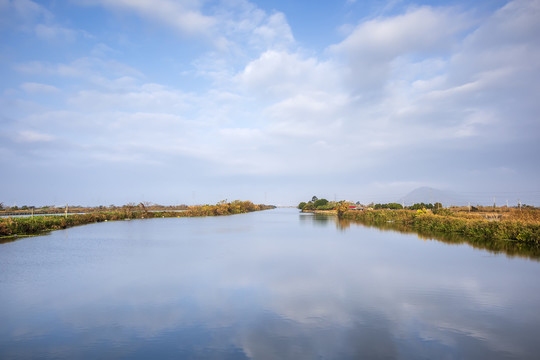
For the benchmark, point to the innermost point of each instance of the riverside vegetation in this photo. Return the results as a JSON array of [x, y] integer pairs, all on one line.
[[519, 226], [11, 227], [475, 223]]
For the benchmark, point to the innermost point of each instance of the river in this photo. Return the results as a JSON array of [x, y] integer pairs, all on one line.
[[275, 284]]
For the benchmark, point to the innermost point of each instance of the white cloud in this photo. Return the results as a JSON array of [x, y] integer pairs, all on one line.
[[275, 32], [148, 97], [54, 32], [373, 45], [279, 74], [183, 15], [31, 17], [423, 29], [229, 27], [419, 103], [242, 134], [29, 136], [23, 13], [31, 87], [506, 41], [96, 71], [316, 115]]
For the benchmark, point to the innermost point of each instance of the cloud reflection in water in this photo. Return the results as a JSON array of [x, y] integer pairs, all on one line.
[[262, 286]]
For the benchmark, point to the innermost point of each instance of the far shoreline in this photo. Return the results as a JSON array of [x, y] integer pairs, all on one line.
[[12, 228]]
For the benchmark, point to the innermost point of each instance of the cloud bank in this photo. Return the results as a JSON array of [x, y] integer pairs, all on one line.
[[183, 101]]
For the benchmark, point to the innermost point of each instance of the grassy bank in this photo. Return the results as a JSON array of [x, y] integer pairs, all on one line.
[[24, 226], [522, 226]]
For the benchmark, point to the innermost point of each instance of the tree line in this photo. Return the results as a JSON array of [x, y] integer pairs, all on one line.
[[417, 206], [323, 204]]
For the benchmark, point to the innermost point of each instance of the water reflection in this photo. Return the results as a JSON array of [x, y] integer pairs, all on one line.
[[322, 220], [261, 286], [311, 219], [509, 247]]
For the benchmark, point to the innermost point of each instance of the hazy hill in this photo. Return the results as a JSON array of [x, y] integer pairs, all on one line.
[[430, 195]]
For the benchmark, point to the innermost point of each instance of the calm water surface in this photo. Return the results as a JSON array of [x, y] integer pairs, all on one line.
[[268, 285]]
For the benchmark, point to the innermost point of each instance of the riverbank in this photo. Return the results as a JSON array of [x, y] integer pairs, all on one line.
[[11, 227], [520, 227]]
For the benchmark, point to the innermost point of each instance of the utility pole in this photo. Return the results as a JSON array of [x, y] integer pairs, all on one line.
[[519, 204], [66, 212], [469, 206]]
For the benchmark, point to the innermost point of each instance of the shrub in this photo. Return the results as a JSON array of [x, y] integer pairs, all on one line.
[[320, 202]]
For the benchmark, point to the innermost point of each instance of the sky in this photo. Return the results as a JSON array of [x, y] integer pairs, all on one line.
[[196, 101]]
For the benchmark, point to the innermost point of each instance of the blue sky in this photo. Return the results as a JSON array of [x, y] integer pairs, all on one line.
[[194, 101]]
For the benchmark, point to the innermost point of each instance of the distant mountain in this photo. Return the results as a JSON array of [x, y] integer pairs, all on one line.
[[430, 195]]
